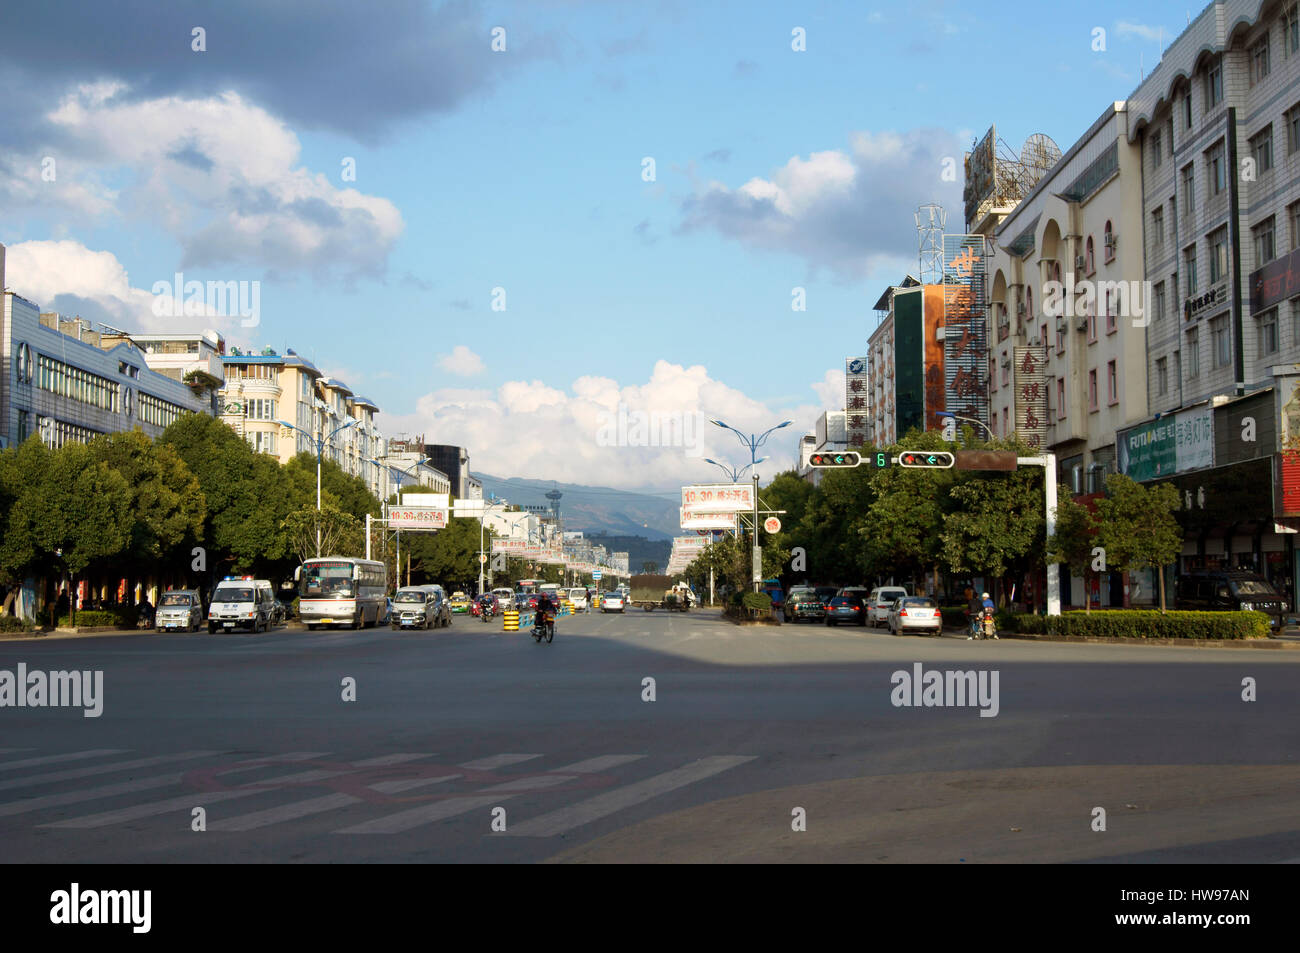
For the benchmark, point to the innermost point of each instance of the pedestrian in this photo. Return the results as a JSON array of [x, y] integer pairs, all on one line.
[[974, 609]]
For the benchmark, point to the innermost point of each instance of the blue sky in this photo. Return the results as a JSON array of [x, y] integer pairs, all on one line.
[[522, 170]]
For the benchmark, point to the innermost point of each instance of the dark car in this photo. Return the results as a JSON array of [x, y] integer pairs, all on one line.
[[804, 603], [826, 593], [1230, 590], [846, 609]]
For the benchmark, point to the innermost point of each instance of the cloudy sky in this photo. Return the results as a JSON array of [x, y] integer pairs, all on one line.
[[502, 247]]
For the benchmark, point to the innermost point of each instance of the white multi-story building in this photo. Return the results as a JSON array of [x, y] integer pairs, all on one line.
[[1066, 275]]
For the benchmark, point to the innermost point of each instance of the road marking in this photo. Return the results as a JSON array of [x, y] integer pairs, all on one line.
[[204, 798], [489, 797], [602, 805], [103, 769], [58, 758], [330, 802], [130, 787]]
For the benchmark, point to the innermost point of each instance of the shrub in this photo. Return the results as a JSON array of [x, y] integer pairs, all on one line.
[[954, 616], [757, 600], [10, 623], [1142, 624], [121, 618]]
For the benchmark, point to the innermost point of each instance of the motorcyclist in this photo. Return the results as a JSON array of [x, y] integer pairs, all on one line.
[[974, 609], [485, 606], [543, 609], [987, 608]]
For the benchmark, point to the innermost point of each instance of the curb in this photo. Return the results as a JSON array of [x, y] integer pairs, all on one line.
[[1269, 643]]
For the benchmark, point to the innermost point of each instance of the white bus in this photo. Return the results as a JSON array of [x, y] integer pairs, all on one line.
[[340, 590]]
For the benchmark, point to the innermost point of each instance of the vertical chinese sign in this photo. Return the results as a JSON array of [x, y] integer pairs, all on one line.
[[1031, 394], [855, 401], [965, 277], [932, 344]]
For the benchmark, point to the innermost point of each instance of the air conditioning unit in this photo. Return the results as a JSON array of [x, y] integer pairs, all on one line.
[[1020, 309], [1080, 263], [1061, 325], [1006, 360], [1081, 323]]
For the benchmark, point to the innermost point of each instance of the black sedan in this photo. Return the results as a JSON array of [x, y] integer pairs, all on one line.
[[846, 609]]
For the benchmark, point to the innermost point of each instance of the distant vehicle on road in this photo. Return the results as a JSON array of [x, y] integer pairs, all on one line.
[[1231, 591], [879, 602], [804, 603], [179, 609], [342, 591], [418, 607], [650, 592], [241, 602], [459, 602], [578, 596], [613, 602], [846, 609]]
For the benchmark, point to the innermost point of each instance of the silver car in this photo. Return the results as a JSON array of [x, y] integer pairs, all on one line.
[[418, 607], [915, 614], [179, 610], [613, 602]]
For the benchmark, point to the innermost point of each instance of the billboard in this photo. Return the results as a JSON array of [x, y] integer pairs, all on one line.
[[718, 498], [1031, 394], [703, 520], [981, 172], [1171, 445], [856, 388], [932, 321], [965, 343], [426, 518]]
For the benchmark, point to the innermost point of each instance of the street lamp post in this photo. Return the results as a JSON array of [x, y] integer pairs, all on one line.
[[732, 472], [320, 450], [481, 561], [753, 443], [969, 420]]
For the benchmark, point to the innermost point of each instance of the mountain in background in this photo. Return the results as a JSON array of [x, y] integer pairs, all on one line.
[[596, 509]]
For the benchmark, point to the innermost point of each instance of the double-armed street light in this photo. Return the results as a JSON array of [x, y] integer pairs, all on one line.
[[321, 443], [753, 443]]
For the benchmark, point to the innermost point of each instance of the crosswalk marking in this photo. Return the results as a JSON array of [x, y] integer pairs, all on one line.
[[57, 758], [602, 805], [492, 796], [204, 798], [102, 769], [330, 802], [130, 787]]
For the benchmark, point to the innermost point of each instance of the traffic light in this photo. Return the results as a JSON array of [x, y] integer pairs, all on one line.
[[847, 458], [925, 458]]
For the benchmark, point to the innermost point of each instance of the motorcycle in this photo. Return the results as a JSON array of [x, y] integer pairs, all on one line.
[[988, 625], [485, 611], [544, 626]]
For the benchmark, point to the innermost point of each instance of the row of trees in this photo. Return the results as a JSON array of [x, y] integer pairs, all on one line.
[[864, 526]]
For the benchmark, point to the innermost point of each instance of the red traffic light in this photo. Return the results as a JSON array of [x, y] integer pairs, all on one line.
[[846, 458], [927, 459]]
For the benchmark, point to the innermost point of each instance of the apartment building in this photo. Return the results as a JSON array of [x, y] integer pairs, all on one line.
[[1218, 123]]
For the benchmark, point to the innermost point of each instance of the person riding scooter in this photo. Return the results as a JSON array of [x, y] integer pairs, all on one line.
[[987, 624]]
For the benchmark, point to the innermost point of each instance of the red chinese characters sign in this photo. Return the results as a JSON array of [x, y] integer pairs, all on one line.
[[1031, 394]]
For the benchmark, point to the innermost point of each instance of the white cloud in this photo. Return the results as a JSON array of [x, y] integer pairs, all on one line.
[[830, 390], [527, 428], [462, 362], [1129, 28], [222, 176]]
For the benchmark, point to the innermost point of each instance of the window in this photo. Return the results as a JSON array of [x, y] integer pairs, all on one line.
[[1108, 242], [1189, 189], [1159, 294], [1178, 366], [1259, 65], [1214, 85], [1187, 109], [1089, 265], [1221, 344], [1154, 149], [1261, 148], [1162, 375], [1268, 332], [1006, 421], [258, 408], [1158, 226], [1265, 243], [1215, 172], [76, 384], [1293, 216], [1112, 384], [261, 441], [1218, 254], [1060, 399], [1092, 390], [24, 425], [1193, 353], [1189, 269], [1112, 310], [1006, 369], [155, 410], [1293, 130], [1042, 336], [1291, 30], [1060, 338], [1091, 310]]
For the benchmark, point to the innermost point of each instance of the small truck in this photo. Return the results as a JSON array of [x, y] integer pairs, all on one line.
[[657, 592]]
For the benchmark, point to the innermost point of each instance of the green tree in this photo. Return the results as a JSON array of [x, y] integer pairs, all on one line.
[[341, 533], [995, 522], [904, 529], [650, 567], [350, 492], [1074, 540], [1138, 529]]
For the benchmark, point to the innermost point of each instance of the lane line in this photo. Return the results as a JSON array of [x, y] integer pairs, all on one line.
[[602, 805], [489, 797], [103, 769], [204, 798], [130, 787], [58, 758]]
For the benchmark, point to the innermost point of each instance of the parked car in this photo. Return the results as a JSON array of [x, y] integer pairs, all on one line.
[[915, 614], [846, 609], [286, 607], [879, 602], [240, 602], [1231, 590], [179, 609], [826, 593], [804, 603], [613, 602]]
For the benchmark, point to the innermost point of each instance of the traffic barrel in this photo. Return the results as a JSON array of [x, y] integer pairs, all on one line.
[[511, 620]]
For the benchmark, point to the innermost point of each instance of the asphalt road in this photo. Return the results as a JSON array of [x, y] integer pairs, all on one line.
[[455, 729]]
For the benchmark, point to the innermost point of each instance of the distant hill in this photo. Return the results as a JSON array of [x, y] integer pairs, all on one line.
[[595, 509], [639, 549]]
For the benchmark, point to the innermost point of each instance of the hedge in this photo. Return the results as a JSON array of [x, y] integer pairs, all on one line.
[[124, 618], [10, 623], [1142, 624], [756, 600]]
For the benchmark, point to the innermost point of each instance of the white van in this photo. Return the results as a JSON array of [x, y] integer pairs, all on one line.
[[241, 602], [579, 599]]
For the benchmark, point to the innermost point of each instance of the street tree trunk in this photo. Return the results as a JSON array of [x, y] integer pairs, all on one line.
[[1160, 572]]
